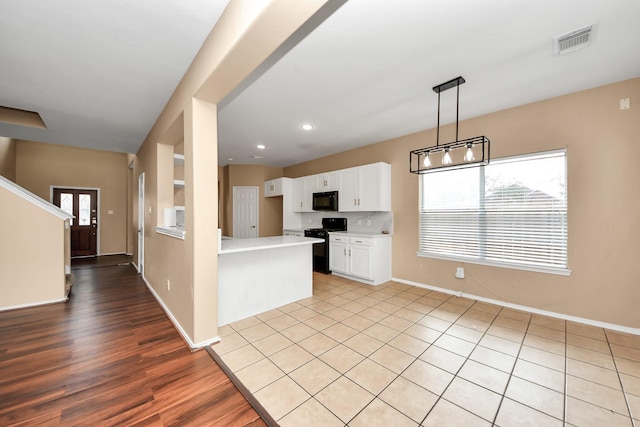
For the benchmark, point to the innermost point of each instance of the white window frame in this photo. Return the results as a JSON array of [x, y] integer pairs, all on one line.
[[477, 260]]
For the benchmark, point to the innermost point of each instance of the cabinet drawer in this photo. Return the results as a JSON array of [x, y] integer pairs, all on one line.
[[362, 241], [333, 238]]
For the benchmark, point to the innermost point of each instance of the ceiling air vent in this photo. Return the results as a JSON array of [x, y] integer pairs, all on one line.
[[574, 40]]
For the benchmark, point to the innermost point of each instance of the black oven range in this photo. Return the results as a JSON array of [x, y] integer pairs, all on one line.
[[321, 250]]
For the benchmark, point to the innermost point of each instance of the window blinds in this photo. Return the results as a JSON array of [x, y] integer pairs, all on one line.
[[513, 211]]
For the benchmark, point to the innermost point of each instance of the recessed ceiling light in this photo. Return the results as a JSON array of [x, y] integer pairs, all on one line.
[[230, 159], [260, 147], [307, 126]]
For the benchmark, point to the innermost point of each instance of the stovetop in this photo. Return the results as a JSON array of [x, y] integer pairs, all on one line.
[[329, 225]]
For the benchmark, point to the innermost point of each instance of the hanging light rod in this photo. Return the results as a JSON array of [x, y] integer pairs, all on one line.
[[476, 150]]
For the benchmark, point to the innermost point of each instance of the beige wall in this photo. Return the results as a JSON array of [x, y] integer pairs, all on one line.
[[32, 253], [245, 36], [8, 158], [269, 208], [603, 211], [39, 165]]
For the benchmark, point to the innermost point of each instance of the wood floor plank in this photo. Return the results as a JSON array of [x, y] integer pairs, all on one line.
[[109, 356]]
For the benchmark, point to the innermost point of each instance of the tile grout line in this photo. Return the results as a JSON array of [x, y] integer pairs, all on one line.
[[513, 368], [624, 393], [466, 360]]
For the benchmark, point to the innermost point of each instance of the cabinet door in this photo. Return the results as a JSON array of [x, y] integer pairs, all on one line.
[[269, 188], [348, 193], [302, 196], [273, 187], [329, 181], [338, 254], [375, 187], [360, 261]]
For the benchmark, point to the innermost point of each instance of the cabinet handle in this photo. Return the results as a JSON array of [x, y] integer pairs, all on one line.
[[358, 202], [358, 241], [355, 202], [349, 252], [345, 251]]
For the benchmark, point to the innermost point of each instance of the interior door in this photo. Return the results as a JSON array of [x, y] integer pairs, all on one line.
[[245, 212], [141, 224], [83, 205]]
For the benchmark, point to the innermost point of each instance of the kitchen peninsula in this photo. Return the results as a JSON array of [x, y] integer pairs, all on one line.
[[258, 275]]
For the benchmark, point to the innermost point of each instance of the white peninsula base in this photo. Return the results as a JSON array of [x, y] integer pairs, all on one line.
[[258, 275]]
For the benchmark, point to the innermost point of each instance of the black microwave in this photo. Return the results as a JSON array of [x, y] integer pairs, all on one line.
[[327, 201]]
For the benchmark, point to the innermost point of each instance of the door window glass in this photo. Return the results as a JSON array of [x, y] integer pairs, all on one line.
[[66, 203], [85, 209]]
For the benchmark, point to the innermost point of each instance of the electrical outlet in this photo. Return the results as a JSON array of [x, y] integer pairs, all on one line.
[[460, 272], [359, 222], [168, 285], [368, 222]]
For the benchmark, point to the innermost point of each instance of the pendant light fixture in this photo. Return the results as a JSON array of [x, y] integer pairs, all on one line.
[[455, 155]]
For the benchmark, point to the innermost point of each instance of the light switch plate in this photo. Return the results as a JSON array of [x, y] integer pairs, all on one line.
[[625, 103]]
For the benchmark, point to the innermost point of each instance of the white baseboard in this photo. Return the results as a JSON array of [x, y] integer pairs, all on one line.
[[590, 322], [17, 307], [176, 324]]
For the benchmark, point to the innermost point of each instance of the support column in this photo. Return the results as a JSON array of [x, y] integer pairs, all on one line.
[[201, 211]]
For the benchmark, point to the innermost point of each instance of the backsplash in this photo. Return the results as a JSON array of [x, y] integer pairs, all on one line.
[[361, 222]]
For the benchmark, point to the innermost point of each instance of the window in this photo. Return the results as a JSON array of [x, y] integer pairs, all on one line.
[[510, 213]]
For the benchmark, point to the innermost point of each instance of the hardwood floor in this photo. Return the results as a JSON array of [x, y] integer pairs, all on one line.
[[109, 356]]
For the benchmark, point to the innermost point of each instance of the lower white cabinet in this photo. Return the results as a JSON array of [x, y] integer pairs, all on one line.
[[365, 259]]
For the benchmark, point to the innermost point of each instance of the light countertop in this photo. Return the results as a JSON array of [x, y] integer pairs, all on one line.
[[262, 243], [359, 234]]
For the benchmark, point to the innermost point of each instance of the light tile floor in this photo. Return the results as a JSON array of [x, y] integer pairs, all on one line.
[[398, 355]]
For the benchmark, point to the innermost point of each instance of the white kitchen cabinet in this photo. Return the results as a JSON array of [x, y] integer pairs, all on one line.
[[360, 258], [303, 188], [365, 188], [365, 259], [273, 187], [338, 255], [329, 181]]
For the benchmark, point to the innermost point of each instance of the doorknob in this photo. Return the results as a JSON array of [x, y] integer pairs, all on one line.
[[253, 226]]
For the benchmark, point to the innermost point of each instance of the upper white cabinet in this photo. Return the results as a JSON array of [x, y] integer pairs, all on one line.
[[273, 187], [303, 189], [329, 181], [365, 188]]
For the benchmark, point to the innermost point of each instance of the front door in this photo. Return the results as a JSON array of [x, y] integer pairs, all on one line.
[[83, 205], [245, 212]]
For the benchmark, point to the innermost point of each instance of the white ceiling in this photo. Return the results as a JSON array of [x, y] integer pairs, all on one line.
[[100, 72]]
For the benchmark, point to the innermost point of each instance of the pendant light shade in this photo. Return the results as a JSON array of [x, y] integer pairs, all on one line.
[[426, 162], [468, 156], [446, 157], [457, 154]]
